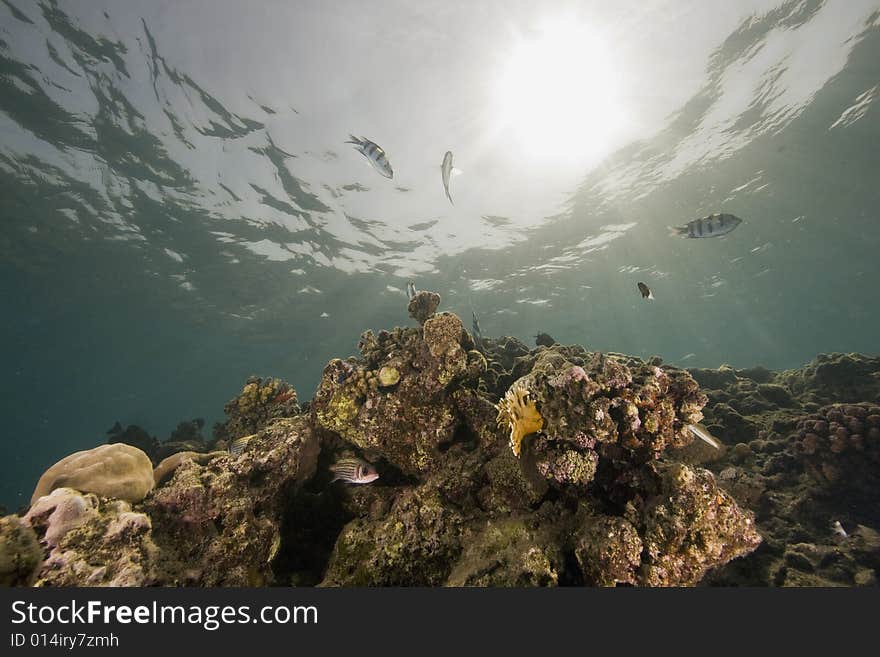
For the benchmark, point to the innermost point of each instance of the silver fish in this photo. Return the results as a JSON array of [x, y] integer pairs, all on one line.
[[446, 170], [838, 529], [374, 153], [715, 225], [410, 290], [703, 434], [354, 471]]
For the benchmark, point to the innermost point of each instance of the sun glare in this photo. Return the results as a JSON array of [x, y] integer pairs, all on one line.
[[556, 94]]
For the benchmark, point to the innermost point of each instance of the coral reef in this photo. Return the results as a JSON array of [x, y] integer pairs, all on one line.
[[405, 422], [219, 524], [93, 542], [20, 552], [423, 305], [601, 425], [165, 469], [118, 470], [260, 402], [840, 446], [802, 459], [502, 466]]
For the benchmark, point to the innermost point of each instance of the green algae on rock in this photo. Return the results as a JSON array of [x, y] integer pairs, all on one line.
[[20, 552], [260, 402]]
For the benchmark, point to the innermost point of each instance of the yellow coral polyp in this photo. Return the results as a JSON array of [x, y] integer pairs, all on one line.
[[519, 412]]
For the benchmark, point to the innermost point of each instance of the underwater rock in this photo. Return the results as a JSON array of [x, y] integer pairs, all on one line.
[[93, 542], [405, 424], [260, 402], [832, 378], [692, 525], [508, 553], [625, 410], [600, 424], [714, 379], [20, 552], [414, 545], [118, 471], [423, 305], [219, 524], [163, 471], [608, 550]]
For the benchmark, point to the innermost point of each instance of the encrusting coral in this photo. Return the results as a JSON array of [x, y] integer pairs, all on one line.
[[260, 402], [94, 542]]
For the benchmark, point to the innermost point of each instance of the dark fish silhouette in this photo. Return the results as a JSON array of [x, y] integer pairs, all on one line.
[[715, 225], [646, 293]]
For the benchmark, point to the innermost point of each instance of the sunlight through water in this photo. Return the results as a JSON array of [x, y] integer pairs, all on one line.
[[557, 93]]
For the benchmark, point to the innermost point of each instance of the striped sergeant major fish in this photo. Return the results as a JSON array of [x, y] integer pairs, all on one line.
[[374, 153], [354, 471], [715, 225], [410, 290]]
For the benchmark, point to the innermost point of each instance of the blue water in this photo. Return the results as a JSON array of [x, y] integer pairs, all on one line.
[[171, 224]]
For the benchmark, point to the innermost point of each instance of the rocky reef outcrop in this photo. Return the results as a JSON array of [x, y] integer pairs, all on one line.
[[499, 465], [803, 453]]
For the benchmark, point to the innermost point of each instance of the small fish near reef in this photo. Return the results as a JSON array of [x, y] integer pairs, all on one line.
[[715, 225], [646, 292], [238, 445], [353, 471], [374, 153], [410, 290], [446, 171], [838, 529], [478, 334], [701, 432]]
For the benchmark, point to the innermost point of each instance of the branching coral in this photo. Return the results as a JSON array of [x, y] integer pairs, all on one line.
[[518, 411]]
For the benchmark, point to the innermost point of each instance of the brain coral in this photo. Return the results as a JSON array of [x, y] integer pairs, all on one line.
[[117, 470]]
